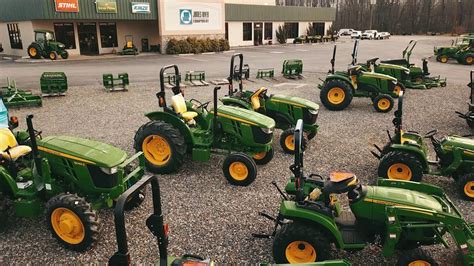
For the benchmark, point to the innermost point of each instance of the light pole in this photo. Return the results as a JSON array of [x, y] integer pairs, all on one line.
[[372, 3]]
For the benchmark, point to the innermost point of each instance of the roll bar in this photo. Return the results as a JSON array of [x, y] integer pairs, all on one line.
[[355, 52], [297, 167], [34, 145], [234, 75], [333, 60], [397, 121]]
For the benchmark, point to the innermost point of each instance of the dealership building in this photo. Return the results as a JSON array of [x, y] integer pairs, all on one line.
[[91, 27]]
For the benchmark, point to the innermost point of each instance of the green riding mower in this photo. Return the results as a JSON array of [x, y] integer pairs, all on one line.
[[129, 48], [160, 230], [45, 45], [469, 116], [462, 50], [418, 75], [404, 215], [66, 178], [285, 110], [405, 156], [339, 87], [187, 126]]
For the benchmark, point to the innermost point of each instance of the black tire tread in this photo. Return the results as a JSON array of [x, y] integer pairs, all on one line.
[[409, 159], [415, 254], [336, 83], [248, 161], [461, 182]]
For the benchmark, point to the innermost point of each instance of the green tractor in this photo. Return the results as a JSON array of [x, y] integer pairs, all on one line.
[[339, 87], [45, 45], [404, 215], [160, 230], [66, 178], [187, 126], [418, 75], [405, 157], [462, 50], [469, 116], [285, 110]]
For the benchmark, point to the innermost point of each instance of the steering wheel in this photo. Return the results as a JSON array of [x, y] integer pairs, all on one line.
[[431, 134], [200, 105], [36, 133]]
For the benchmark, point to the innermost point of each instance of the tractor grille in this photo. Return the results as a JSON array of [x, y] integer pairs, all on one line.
[[309, 118], [261, 137], [101, 179]]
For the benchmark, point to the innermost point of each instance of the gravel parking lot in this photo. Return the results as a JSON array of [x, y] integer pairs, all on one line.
[[207, 216]]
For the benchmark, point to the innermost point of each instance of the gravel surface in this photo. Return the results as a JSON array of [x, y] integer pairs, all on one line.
[[207, 216]]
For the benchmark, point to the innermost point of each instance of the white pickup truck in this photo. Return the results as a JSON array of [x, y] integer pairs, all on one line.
[[370, 35]]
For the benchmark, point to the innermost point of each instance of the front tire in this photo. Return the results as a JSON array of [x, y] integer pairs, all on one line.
[[65, 55], [239, 169], [300, 243], [468, 59], [264, 157], [287, 141], [72, 221], [53, 55], [415, 257], [383, 103], [163, 146], [400, 165], [336, 95], [443, 59], [466, 186]]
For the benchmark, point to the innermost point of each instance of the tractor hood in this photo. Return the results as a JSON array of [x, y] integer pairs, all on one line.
[[402, 197], [245, 116], [57, 44], [379, 76], [398, 67], [459, 142], [83, 150], [295, 101]]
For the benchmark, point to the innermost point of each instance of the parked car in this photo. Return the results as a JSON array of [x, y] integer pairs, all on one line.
[[370, 35], [356, 34], [345, 32], [384, 35]]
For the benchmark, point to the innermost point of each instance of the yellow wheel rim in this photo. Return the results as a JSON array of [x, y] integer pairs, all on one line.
[[259, 156], [419, 263], [397, 90], [469, 189], [238, 171], [33, 51], [156, 150], [67, 225], [419, 80], [290, 142], [383, 104], [399, 171], [469, 59], [300, 252], [336, 95], [443, 59]]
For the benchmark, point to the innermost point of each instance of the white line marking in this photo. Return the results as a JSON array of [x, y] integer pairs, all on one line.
[[295, 85]]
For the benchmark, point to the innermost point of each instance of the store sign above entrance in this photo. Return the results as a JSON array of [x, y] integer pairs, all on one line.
[[67, 6], [185, 16], [140, 8], [106, 6]]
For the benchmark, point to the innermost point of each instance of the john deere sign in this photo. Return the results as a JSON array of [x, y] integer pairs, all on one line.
[[140, 8], [186, 15], [106, 6]]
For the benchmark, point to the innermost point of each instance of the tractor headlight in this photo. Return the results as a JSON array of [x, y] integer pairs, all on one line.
[[61, 46], [395, 82], [267, 130], [407, 72], [109, 171], [313, 112]]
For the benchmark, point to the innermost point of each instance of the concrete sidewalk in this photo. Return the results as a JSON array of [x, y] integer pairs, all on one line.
[[27, 59]]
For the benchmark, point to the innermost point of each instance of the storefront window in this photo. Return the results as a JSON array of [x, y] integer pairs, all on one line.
[[291, 30], [65, 33], [268, 31], [247, 31], [15, 37], [108, 34]]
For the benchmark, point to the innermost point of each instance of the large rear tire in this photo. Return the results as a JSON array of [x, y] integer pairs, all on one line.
[[239, 169], [163, 146], [416, 256], [34, 51], [400, 165], [336, 95], [466, 186], [300, 243]]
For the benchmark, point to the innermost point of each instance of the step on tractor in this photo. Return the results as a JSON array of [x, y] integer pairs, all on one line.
[[418, 75], [65, 178], [469, 116], [129, 48], [45, 45], [462, 50], [285, 110], [405, 156], [339, 87], [188, 126], [405, 215], [401, 73], [161, 230]]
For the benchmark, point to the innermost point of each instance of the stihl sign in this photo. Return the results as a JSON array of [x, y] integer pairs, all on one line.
[[67, 5]]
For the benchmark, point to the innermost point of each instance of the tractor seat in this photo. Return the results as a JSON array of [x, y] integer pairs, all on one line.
[[340, 182], [9, 148], [179, 106], [129, 44], [255, 98]]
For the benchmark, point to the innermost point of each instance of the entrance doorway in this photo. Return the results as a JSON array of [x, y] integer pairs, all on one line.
[[88, 43], [258, 33]]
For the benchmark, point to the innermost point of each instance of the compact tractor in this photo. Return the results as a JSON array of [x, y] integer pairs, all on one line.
[[285, 110], [187, 126], [469, 116], [339, 87], [418, 75], [405, 156], [45, 45], [160, 230], [129, 48], [404, 215], [462, 50], [66, 178]]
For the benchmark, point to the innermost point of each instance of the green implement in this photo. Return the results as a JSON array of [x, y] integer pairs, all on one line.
[[53, 84], [120, 83], [14, 97], [292, 68]]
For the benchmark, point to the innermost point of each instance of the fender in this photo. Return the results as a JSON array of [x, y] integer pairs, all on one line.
[[336, 76], [173, 120], [414, 150], [289, 210], [7, 182], [236, 101]]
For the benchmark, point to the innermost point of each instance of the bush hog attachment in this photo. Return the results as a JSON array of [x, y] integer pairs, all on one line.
[[14, 97], [405, 215], [469, 116]]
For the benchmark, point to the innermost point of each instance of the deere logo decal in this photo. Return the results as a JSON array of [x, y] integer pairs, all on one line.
[[186, 16]]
